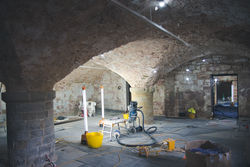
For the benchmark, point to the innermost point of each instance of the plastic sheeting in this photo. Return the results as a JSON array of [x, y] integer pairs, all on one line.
[[205, 151], [222, 111]]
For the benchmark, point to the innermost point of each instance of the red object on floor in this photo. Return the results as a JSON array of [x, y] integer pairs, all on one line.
[[82, 115]]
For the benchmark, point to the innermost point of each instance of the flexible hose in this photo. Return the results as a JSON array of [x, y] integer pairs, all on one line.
[[142, 118], [135, 145], [148, 132]]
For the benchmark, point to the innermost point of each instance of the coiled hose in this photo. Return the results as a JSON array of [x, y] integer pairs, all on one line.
[[148, 132]]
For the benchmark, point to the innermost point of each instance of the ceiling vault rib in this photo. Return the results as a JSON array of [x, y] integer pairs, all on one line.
[[82, 66], [151, 22]]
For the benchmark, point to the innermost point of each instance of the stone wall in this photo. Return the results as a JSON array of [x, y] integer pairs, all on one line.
[[68, 97], [30, 127], [2, 103], [192, 88], [159, 98]]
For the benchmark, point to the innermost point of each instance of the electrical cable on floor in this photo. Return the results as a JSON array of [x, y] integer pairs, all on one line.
[[61, 140], [168, 132], [106, 152], [119, 157]]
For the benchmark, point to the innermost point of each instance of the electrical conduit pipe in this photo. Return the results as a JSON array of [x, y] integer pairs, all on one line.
[[102, 101], [84, 102]]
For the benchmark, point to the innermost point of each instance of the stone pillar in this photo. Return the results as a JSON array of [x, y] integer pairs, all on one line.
[[30, 127], [144, 97]]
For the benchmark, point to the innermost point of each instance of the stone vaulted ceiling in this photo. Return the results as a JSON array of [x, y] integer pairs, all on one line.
[[42, 41], [136, 62]]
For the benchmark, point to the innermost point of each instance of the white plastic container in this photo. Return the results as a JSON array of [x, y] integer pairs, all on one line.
[[91, 108]]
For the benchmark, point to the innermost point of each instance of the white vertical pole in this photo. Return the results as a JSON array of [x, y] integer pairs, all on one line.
[[84, 102], [102, 101], [232, 92]]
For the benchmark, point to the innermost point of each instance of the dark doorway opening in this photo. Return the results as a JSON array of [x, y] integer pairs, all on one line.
[[224, 95], [224, 90]]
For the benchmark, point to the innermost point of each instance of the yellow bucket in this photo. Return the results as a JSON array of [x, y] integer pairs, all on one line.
[[125, 116], [94, 139], [191, 115]]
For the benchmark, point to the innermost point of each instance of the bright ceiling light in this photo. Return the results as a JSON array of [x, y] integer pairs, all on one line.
[[155, 71], [203, 60], [156, 8], [162, 4], [166, 1], [187, 79], [215, 80], [187, 70]]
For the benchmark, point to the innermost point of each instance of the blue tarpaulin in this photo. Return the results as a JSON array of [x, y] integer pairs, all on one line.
[[205, 151], [224, 111]]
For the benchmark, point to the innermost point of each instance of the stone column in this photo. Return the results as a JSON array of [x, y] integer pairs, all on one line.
[[30, 127], [144, 97]]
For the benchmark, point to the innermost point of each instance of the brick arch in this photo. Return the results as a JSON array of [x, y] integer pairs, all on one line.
[[137, 62], [141, 63], [49, 39], [213, 47]]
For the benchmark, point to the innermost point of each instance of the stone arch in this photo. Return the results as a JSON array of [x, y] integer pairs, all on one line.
[[92, 76], [131, 60], [45, 40], [197, 89], [213, 47], [137, 62]]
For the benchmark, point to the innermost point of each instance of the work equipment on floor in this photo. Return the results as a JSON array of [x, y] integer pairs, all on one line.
[[125, 116], [139, 128], [110, 123], [84, 102], [206, 153], [91, 108], [94, 139], [102, 101], [49, 163], [170, 143], [191, 113]]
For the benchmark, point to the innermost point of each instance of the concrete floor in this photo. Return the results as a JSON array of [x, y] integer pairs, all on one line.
[[70, 153], [226, 132]]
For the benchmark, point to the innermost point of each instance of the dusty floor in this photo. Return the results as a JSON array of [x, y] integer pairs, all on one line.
[[226, 132], [70, 153]]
